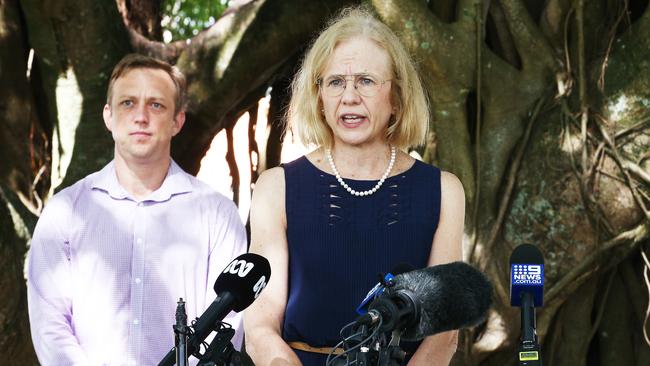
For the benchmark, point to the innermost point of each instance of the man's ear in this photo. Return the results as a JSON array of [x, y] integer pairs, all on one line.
[[179, 121], [108, 117]]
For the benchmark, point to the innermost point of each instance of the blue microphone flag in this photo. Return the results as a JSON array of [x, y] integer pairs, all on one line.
[[526, 278], [526, 274], [374, 293]]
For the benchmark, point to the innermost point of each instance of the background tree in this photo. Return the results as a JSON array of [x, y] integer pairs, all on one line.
[[541, 108]]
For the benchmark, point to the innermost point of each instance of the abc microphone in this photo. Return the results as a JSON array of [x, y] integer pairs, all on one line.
[[527, 292], [237, 287]]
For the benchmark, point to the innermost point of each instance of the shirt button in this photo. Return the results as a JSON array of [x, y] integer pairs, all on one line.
[[137, 280], [139, 241], [136, 321]]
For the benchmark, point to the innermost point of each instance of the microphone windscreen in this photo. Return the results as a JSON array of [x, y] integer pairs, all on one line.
[[451, 296], [401, 267], [526, 254], [245, 277]]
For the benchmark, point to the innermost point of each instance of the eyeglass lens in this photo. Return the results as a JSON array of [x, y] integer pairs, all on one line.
[[366, 85]]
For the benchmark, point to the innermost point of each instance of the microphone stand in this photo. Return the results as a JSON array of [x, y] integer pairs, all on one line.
[[181, 332], [392, 355], [220, 351], [529, 353], [364, 355]]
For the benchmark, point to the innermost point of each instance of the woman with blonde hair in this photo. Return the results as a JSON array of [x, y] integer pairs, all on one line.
[[357, 205]]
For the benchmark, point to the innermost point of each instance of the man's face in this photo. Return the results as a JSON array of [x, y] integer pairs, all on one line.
[[141, 116]]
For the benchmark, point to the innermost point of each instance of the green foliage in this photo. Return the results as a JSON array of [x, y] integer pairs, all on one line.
[[183, 19]]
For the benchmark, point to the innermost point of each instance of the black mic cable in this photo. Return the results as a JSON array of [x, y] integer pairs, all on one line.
[[363, 345]]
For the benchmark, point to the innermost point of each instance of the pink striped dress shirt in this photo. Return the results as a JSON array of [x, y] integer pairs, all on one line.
[[105, 271]]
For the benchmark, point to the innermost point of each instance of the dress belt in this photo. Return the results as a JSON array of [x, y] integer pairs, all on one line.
[[302, 346]]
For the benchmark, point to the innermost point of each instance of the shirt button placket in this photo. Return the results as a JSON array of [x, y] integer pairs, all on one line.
[[137, 272]]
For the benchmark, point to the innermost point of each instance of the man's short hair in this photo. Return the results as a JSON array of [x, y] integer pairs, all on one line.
[[136, 61]]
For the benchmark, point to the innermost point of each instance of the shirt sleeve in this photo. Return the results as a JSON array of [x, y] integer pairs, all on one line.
[[49, 290], [230, 242]]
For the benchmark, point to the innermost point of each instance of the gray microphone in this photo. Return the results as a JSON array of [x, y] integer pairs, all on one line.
[[432, 300]]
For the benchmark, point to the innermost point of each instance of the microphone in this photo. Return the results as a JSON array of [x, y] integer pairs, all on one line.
[[385, 280], [237, 287], [432, 300], [527, 292]]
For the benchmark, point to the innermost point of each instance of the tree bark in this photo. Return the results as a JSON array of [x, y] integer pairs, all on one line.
[[23, 166], [504, 121], [142, 17], [22, 172], [15, 340], [77, 43]]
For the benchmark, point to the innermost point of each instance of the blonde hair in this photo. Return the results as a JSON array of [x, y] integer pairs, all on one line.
[[408, 127], [136, 61]]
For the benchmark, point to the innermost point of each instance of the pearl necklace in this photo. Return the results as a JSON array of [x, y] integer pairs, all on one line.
[[374, 189]]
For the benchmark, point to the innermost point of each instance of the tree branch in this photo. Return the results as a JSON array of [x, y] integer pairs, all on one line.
[[253, 150], [625, 171], [217, 34], [552, 21], [512, 177], [424, 35], [534, 50], [503, 42], [580, 273], [232, 165]]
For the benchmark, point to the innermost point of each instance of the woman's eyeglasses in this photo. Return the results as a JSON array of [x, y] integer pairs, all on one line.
[[366, 85]]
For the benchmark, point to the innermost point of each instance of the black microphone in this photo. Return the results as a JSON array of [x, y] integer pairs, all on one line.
[[385, 280], [432, 300], [527, 292], [237, 287]]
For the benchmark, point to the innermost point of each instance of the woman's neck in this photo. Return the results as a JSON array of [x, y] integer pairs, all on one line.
[[364, 163]]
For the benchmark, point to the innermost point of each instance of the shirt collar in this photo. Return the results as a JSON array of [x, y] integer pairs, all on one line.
[[176, 182]]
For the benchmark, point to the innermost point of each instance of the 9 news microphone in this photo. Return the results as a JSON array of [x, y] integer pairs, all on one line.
[[527, 292], [237, 287], [432, 300]]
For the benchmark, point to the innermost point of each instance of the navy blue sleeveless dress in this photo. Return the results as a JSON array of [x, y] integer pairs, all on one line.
[[339, 243]]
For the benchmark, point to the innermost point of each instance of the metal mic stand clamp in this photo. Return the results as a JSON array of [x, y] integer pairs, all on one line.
[[363, 355], [221, 352], [393, 354]]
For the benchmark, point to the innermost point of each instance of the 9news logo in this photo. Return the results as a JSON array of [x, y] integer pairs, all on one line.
[[527, 274]]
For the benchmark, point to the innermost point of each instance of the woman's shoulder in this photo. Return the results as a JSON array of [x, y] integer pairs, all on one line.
[[451, 186], [270, 179], [450, 179]]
